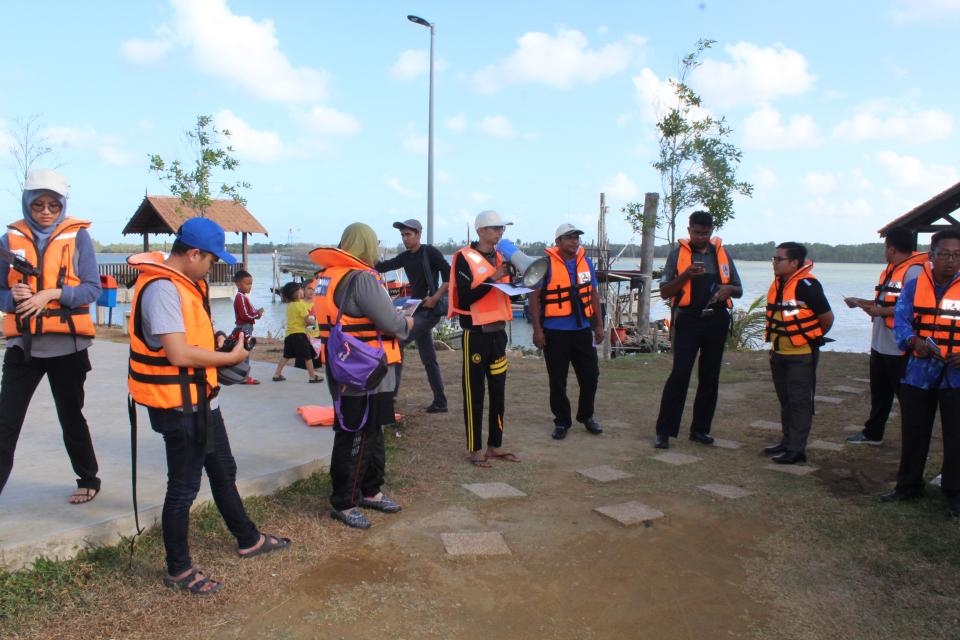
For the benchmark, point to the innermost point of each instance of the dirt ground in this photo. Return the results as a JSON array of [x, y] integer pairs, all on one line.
[[802, 557]]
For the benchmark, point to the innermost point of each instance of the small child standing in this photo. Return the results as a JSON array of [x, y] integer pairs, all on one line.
[[243, 309], [296, 344], [312, 330]]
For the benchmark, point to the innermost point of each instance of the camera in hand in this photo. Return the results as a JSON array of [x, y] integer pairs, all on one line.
[[249, 342]]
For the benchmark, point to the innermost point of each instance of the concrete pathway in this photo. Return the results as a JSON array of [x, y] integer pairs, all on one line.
[[272, 445]]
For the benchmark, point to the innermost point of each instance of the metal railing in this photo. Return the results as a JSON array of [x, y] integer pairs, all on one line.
[[125, 275]]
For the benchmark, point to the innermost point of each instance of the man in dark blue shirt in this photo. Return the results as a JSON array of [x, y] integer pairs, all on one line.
[[925, 325]]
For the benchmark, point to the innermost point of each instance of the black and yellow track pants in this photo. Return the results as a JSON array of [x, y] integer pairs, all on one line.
[[484, 365]]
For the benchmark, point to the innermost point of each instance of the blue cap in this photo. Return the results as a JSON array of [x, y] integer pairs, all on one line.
[[206, 235]]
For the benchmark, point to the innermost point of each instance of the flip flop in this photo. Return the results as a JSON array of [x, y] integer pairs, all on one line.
[[479, 462], [83, 495], [198, 580], [278, 378], [505, 457], [270, 543]]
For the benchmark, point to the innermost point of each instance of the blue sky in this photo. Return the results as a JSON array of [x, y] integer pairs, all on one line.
[[845, 111]]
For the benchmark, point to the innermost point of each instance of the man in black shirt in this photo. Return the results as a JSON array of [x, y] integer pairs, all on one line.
[[422, 263]]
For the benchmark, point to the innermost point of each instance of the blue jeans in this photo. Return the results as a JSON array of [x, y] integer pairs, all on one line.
[[422, 333], [186, 460]]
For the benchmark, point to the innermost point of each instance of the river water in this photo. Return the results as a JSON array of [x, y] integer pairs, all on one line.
[[851, 329]]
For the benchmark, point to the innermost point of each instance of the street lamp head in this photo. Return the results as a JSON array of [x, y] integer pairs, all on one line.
[[419, 20]]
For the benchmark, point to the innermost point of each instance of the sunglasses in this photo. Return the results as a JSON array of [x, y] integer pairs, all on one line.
[[37, 207]]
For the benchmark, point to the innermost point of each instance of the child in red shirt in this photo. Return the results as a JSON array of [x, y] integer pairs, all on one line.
[[243, 309]]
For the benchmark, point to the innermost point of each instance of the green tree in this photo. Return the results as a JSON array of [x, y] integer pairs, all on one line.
[[697, 163], [193, 185]]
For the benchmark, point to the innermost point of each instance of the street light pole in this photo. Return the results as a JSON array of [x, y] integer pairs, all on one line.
[[433, 31]]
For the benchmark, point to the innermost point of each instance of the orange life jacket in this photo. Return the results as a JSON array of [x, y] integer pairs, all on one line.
[[493, 307], [937, 319], [152, 380], [558, 292], [685, 259], [891, 282], [57, 269], [338, 265], [797, 321]]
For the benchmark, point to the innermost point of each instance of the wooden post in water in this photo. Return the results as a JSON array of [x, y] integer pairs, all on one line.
[[650, 202]]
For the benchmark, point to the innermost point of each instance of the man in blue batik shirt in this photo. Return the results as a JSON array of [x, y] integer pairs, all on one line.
[[926, 323]]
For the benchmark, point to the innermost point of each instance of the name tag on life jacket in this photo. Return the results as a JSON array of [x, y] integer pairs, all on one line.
[[583, 277]]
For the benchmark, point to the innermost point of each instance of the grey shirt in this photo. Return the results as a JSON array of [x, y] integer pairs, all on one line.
[[882, 339], [160, 313], [369, 300]]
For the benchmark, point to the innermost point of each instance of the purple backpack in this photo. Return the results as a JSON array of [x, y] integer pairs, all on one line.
[[354, 364]]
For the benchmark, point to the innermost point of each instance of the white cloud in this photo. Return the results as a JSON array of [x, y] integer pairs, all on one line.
[[497, 126], [415, 62], [856, 208], [919, 10], [6, 140], [765, 129], [820, 183], [244, 52], [560, 61], [456, 123], [394, 183], [108, 148], [756, 74], [443, 176], [69, 136], [145, 52], [876, 123], [909, 172], [765, 178], [327, 121], [479, 197], [415, 142], [620, 188], [250, 143], [657, 97], [117, 156]]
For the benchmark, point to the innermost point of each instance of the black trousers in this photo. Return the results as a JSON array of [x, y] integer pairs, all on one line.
[[358, 460], [484, 364], [795, 381], [562, 349], [692, 335], [187, 458], [919, 410], [66, 375], [886, 371]]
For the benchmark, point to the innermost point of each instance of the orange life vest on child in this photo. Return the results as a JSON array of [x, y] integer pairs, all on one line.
[[493, 307], [937, 319], [789, 318], [57, 269], [558, 292], [891, 282], [152, 380], [340, 264], [685, 259]]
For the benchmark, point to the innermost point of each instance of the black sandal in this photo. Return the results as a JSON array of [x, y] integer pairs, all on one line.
[[192, 585], [270, 543]]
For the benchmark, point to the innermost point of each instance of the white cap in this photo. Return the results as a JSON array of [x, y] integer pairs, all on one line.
[[46, 179], [566, 229], [489, 219]]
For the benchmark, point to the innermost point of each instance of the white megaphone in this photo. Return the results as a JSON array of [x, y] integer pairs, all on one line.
[[530, 271]]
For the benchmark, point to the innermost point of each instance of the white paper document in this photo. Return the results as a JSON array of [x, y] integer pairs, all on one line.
[[508, 289]]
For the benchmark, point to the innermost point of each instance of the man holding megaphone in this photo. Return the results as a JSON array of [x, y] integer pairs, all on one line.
[[567, 323], [484, 312]]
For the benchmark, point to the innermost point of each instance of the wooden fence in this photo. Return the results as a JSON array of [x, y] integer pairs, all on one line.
[[125, 275]]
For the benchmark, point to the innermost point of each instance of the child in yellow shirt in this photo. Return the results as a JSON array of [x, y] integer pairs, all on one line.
[[296, 343]]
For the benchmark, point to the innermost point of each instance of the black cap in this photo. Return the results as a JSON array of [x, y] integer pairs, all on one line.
[[409, 224]]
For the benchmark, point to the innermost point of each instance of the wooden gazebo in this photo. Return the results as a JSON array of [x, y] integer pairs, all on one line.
[[931, 216], [165, 214]]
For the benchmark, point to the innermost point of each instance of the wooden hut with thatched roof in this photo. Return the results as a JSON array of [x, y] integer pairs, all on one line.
[[931, 216]]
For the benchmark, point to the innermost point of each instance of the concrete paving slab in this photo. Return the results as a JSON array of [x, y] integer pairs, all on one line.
[[727, 444], [604, 473], [272, 445], [630, 513], [864, 380], [484, 543], [792, 469], [494, 490], [825, 445], [676, 458], [729, 491], [845, 389], [766, 424], [828, 399]]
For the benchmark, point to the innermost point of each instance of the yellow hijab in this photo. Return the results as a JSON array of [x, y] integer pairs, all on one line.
[[361, 242]]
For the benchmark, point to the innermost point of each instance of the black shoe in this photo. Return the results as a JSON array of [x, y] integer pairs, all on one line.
[[861, 438], [702, 438], [774, 449], [790, 457], [592, 426], [559, 432], [661, 442], [436, 408], [900, 496]]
